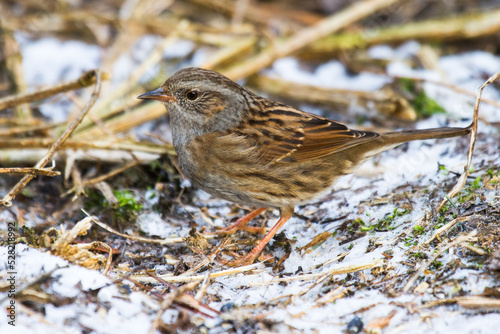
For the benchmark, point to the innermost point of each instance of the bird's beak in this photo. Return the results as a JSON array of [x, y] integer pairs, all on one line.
[[159, 95]]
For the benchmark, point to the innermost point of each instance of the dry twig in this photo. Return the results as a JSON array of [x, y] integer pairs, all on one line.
[[7, 200], [440, 251]]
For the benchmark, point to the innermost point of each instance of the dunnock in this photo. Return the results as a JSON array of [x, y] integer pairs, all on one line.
[[250, 150]]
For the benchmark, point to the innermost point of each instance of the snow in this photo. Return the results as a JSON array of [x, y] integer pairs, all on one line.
[[332, 74]]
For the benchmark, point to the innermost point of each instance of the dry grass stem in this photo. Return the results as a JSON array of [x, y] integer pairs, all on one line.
[[336, 271], [384, 101], [108, 194], [330, 261], [167, 241], [24, 129], [102, 186], [440, 251], [85, 80], [102, 110], [123, 145], [78, 253], [463, 178], [196, 278], [464, 26], [331, 296], [167, 301], [305, 37], [445, 228], [7, 200], [209, 259], [140, 115], [204, 286], [30, 171], [13, 65]]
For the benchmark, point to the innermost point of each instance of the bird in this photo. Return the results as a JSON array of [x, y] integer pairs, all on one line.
[[250, 150]]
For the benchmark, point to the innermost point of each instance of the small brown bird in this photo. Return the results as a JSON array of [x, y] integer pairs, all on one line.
[[254, 151]]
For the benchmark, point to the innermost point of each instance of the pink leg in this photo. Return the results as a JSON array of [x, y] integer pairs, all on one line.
[[241, 224], [285, 215]]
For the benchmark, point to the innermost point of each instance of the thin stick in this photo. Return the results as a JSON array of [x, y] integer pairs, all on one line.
[[168, 300], [87, 144], [445, 228], [13, 64], [424, 266], [463, 178], [196, 278], [336, 271], [30, 171], [167, 241], [7, 200], [331, 24], [23, 129], [208, 259], [106, 176], [85, 80], [154, 57], [204, 286]]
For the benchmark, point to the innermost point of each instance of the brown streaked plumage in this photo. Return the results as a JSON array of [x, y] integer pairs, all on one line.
[[254, 151]]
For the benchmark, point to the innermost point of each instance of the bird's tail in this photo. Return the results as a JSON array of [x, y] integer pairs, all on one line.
[[389, 140]]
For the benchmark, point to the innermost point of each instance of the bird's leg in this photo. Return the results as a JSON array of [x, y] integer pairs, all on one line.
[[285, 215], [241, 224]]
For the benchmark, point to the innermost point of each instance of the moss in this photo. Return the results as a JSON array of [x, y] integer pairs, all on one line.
[[424, 105], [127, 208]]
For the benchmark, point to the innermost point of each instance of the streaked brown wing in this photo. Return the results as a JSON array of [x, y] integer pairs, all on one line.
[[298, 136]]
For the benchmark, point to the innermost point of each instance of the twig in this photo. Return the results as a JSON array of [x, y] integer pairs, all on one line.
[[445, 228], [30, 171], [204, 286], [7, 200], [101, 111], [168, 300], [33, 282], [424, 266], [167, 241], [463, 178], [85, 80], [196, 278], [37, 142], [331, 24], [106, 176], [208, 259], [336, 271], [108, 194], [13, 65], [458, 26]]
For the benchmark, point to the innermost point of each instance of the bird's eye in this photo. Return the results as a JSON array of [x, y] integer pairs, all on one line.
[[192, 95]]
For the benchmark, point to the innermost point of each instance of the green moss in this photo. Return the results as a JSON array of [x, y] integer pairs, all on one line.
[[424, 105], [418, 230], [127, 208]]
